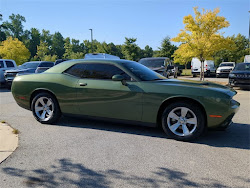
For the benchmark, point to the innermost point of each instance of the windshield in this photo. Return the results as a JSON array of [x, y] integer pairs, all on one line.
[[46, 64], [243, 67], [29, 65], [142, 72], [227, 65], [152, 62]]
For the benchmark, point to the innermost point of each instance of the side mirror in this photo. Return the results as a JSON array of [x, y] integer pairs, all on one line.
[[117, 77], [121, 78]]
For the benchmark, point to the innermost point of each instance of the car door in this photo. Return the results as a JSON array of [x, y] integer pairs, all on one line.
[[2, 70], [98, 95]]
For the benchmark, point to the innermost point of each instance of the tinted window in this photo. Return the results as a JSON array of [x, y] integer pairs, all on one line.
[[103, 71], [46, 64], [142, 72], [227, 64], [76, 70], [9, 64], [1, 64], [243, 67], [152, 62], [29, 65]]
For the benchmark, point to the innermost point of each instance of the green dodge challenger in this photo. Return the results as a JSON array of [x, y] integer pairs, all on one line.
[[125, 91]]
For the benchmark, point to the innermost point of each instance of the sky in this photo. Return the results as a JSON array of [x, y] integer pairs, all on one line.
[[150, 21]]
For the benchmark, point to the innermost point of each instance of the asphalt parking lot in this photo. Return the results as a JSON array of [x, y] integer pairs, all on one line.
[[87, 153]]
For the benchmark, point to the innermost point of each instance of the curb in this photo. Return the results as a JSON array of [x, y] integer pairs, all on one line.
[[8, 141]]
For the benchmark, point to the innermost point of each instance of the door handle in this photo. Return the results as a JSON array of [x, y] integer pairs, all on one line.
[[83, 84]]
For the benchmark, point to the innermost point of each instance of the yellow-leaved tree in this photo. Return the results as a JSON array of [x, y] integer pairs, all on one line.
[[201, 38], [14, 49]]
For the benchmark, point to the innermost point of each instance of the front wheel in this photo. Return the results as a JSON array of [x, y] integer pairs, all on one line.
[[45, 108], [183, 121]]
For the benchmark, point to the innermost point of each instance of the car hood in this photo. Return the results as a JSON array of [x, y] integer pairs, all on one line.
[[17, 70], [157, 68], [226, 67], [202, 85]]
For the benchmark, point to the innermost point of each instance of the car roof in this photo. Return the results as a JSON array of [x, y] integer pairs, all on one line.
[[152, 58], [66, 64]]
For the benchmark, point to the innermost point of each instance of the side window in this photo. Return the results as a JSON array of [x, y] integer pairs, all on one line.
[[9, 64], [76, 70], [1, 64], [103, 71]]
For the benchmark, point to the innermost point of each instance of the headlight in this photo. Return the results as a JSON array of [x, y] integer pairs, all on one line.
[[231, 75], [218, 70]]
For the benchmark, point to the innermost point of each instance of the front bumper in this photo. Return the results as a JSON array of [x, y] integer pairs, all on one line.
[[225, 115], [239, 82], [222, 74]]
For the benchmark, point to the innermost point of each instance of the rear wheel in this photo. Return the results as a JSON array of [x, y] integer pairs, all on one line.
[[183, 121], [45, 108]]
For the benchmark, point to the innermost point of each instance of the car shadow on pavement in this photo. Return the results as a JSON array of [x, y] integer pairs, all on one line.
[[236, 136], [64, 172], [3, 89]]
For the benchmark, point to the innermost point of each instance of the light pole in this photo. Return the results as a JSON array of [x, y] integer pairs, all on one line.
[[91, 30], [249, 34]]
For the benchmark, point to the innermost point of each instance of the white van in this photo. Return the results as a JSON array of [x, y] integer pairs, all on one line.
[[247, 59], [100, 56], [6, 64], [209, 68]]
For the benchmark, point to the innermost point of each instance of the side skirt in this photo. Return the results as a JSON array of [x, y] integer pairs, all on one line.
[[112, 120]]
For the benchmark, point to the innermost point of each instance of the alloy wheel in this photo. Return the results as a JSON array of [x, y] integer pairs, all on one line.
[[44, 108], [182, 121]]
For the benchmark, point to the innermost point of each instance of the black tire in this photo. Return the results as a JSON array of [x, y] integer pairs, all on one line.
[[195, 132], [54, 107], [8, 86]]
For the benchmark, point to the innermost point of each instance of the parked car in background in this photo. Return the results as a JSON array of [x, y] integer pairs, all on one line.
[[125, 91], [6, 64], [240, 76], [58, 61], [43, 66], [100, 56], [247, 59], [161, 65], [26, 68], [224, 69], [209, 67]]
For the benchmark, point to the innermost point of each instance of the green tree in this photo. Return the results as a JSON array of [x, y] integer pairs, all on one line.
[[69, 52], [2, 28], [235, 54], [15, 26], [147, 52], [43, 53], [14, 49], [201, 35], [42, 50], [130, 49], [58, 45], [46, 37], [167, 49], [34, 41]]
